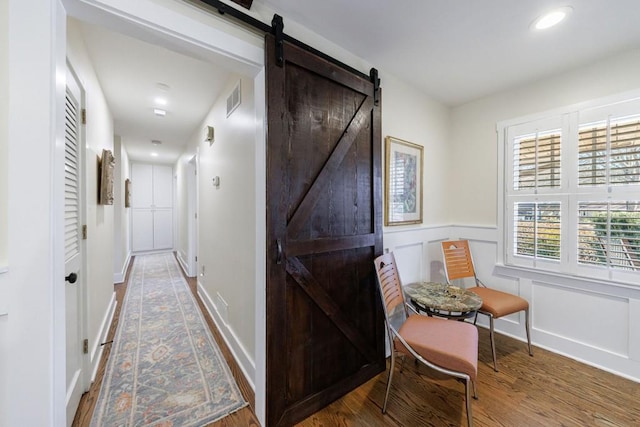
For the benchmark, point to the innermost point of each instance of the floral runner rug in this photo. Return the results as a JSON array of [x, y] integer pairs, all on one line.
[[165, 368]]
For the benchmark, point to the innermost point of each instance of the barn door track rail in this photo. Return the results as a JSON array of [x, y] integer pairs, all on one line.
[[276, 28]]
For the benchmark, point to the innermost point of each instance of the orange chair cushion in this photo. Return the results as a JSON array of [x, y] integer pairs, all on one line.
[[446, 343], [499, 303]]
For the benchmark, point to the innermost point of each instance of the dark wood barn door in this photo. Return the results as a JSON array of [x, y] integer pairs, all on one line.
[[324, 228]]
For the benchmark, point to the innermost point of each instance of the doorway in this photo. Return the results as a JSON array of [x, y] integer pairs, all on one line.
[[246, 59], [75, 250]]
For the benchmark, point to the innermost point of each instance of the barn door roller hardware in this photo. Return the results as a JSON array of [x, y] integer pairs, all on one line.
[[373, 74], [238, 15], [277, 26]]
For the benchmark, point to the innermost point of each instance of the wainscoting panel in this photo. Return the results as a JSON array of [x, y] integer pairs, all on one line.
[[410, 260], [595, 320]]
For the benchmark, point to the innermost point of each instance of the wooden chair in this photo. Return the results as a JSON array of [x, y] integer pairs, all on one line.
[[459, 265], [446, 346]]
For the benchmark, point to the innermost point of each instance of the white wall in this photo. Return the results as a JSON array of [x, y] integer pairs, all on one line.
[[4, 147], [226, 225], [99, 218], [33, 341], [566, 312], [474, 168], [121, 240], [410, 115], [4, 131]]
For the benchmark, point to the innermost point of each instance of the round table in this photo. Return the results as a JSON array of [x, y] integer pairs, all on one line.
[[441, 299]]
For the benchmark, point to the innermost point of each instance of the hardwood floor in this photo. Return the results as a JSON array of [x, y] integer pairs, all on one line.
[[544, 390]]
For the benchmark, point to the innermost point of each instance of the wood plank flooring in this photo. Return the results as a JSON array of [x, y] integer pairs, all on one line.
[[544, 390]]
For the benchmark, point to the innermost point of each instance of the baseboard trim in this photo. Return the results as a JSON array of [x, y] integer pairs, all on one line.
[[96, 350], [119, 277], [183, 264], [247, 366]]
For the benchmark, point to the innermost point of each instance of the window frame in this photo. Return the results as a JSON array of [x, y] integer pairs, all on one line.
[[570, 194]]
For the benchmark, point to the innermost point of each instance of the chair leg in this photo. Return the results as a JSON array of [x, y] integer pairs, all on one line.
[[493, 343], [475, 390], [386, 395], [528, 329], [467, 396]]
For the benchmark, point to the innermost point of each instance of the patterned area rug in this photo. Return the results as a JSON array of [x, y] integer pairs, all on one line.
[[165, 367]]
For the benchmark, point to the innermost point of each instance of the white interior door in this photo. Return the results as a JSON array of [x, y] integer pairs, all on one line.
[[74, 274]]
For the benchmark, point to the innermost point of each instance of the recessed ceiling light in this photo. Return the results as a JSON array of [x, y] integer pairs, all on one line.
[[154, 154], [552, 18], [160, 101], [159, 112]]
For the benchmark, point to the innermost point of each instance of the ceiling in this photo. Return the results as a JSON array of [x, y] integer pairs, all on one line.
[[460, 50], [132, 74], [453, 51]]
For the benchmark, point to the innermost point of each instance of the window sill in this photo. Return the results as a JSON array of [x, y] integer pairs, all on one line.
[[604, 287]]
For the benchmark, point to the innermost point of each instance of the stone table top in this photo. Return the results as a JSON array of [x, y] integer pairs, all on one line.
[[441, 296]]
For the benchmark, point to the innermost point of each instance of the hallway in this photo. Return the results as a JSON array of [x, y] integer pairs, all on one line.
[[244, 416]]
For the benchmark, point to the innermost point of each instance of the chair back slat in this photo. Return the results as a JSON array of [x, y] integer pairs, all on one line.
[[389, 281], [457, 260]]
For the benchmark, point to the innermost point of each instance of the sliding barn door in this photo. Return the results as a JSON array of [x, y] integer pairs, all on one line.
[[324, 223]]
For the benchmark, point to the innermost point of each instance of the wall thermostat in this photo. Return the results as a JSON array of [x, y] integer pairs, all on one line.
[[209, 134]]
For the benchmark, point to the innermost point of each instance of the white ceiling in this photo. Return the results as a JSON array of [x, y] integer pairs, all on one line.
[[455, 51], [460, 50], [129, 71]]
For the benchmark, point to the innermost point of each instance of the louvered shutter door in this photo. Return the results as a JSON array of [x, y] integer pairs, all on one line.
[[71, 179], [536, 161], [610, 148]]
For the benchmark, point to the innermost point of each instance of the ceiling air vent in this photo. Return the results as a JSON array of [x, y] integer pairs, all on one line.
[[233, 100]]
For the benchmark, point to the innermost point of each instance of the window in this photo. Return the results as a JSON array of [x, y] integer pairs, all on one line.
[[571, 200]]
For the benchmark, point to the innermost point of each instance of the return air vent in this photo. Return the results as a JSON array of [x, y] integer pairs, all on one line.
[[233, 101]]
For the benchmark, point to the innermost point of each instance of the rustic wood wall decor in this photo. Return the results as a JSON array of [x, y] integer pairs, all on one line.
[[107, 166]]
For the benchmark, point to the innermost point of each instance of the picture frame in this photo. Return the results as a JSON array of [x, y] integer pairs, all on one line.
[[127, 193], [403, 182]]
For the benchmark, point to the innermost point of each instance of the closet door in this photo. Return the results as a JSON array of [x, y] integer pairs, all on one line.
[[162, 186], [142, 230], [142, 186], [163, 229], [152, 207]]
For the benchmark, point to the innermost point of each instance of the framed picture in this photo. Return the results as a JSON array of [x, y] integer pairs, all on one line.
[[127, 193], [403, 182]]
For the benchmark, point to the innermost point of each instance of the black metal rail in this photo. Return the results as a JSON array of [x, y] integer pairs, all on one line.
[[276, 29]]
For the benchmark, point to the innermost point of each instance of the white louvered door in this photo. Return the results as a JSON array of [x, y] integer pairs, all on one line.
[[75, 380]]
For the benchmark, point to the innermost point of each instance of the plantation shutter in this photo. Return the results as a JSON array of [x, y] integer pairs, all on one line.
[[537, 229], [609, 152], [71, 179], [609, 234], [536, 161]]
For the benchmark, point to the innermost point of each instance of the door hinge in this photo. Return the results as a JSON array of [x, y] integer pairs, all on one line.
[[196, 215], [84, 232], [85, 346], [84, 116], [196, 259]]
